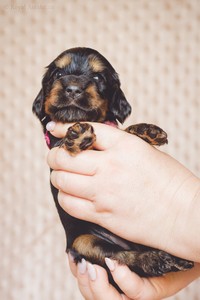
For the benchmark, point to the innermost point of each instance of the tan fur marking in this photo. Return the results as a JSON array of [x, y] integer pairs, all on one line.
[[87, 134], [97, 102], [86, 246], [160, 136], [53, 96], [63, 61], [91, 90], [96, 64]]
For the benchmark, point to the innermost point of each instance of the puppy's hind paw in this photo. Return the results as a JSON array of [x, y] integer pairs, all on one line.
[[183, 265], [162, 263]]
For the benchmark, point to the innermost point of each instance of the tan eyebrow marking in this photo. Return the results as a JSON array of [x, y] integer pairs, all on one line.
[[96, 64], [63, 61]]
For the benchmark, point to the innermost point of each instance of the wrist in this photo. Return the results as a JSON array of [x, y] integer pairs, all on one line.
[[183, 220]]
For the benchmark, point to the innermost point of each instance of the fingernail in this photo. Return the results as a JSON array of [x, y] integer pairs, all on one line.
[[71, 257], [91, 272], [50, 126], [110, 264], [82, 266]]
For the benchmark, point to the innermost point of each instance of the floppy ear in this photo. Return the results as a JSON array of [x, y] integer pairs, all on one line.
[[119, 106], [38, 105]]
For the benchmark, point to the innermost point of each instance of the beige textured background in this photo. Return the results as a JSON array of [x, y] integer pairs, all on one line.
[[154, 45]]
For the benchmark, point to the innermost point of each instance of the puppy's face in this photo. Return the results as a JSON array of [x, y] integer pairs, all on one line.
[[81, 85]]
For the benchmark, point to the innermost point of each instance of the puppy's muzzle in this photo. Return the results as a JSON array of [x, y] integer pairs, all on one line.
[[74, 86], [73, 91]]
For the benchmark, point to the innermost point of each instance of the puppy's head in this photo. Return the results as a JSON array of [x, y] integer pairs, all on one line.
[[81, 85]]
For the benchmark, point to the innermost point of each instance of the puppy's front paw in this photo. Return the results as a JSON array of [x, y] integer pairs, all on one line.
[[150, 133], [79, 137]]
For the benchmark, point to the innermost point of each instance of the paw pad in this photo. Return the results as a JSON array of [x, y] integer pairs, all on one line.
[[79, 136], [150, 133]]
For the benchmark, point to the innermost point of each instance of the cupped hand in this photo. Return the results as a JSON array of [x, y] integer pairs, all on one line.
[[105, 186], [128, 186], [94, 285]]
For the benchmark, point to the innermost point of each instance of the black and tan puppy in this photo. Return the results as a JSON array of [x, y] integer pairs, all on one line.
[[81, 85]]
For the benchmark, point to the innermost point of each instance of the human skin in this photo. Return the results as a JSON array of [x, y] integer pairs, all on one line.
[[93, 282], [92, 187], [157, 192]]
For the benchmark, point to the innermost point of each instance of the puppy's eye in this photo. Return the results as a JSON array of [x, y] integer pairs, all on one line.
[[58, 74], [98, 77]]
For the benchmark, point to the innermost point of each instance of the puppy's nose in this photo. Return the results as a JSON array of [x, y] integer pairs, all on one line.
[[73, 91]]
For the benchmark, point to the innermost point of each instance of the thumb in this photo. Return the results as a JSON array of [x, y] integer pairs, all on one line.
[[107, 136], [57, 129]]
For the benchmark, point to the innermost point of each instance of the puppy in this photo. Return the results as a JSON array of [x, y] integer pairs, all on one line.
[[80, 85]]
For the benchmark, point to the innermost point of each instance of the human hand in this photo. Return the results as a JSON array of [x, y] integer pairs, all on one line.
[[129, 180], [94, 285]]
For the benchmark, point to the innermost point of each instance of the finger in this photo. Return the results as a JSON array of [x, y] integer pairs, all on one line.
[[92, 279], [83, 280], [130, 283], [74, 184], [77, 207], [84, 163], [156, 288], [106, 135], [72, 264], [100, 287], [58, 129]]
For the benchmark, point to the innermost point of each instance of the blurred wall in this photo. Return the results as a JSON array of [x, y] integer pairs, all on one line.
[[154, 45]]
